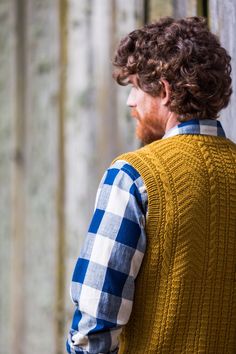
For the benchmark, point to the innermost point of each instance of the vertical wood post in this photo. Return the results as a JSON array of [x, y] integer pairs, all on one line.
[[17, 330], [60, 257], [39, 183], [7, 104], [185, 8]]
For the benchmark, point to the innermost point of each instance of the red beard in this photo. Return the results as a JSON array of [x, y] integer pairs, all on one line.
[[148, 129]]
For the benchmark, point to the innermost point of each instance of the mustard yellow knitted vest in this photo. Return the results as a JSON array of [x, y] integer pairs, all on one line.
[[185, 297]]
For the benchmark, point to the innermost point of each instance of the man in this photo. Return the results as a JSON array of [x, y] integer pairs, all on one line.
[[157, 270]]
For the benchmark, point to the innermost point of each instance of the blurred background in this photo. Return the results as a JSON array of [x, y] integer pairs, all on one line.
[[62, 121]]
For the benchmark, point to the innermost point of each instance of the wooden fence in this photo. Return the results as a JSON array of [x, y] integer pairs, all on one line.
[[62, 121]]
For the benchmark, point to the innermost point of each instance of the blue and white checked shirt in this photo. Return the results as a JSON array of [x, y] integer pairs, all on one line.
[[103, 282]]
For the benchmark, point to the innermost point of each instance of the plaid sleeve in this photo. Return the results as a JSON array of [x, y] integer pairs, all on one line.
[[102, 286]]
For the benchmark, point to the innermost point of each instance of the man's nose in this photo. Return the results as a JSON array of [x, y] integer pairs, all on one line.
[[131, 101]]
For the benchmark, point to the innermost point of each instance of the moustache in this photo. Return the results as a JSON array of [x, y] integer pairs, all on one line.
[[134, 113]]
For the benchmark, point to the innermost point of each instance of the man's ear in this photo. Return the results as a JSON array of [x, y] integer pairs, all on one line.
[[166, 91]]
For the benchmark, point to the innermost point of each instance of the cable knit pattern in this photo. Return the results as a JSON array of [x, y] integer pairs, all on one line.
[[185, 297]]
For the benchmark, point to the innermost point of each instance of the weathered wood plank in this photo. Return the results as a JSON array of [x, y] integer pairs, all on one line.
[[184, 8], [6, 114], [61, 237], [129, 16], [80, 136], [222, 17], [105, 89], [41, 174], [160, 8], [173, 8], [17, 298], [98, 126]]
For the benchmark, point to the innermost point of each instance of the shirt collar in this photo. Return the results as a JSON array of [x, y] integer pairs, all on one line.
[[199, 127]]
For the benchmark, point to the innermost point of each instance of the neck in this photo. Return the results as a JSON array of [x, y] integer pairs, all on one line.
[[171, 121]]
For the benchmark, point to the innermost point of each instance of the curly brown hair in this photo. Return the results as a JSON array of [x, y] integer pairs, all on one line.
[[186, 54]]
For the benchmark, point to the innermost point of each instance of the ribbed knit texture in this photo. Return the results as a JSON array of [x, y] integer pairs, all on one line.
[[185, 297]]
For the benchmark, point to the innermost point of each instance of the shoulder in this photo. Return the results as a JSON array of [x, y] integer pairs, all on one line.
[[141, 157], [124, 175], [121, 167], [145, 150], [124, 181]]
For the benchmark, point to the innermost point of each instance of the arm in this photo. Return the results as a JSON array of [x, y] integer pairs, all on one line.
[[103, 281]]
